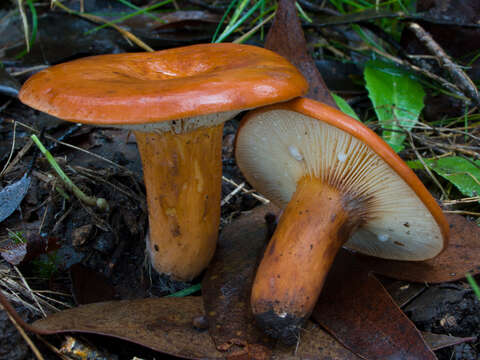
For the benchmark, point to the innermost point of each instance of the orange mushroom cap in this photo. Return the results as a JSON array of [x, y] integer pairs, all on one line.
[[138, 88]]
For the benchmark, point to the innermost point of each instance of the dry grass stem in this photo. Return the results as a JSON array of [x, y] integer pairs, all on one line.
[[26, 338], [12, 149], [31, 293], [468, 200], [427, 169], [231, 194], [256, 196], [77, 148], [97, 19]]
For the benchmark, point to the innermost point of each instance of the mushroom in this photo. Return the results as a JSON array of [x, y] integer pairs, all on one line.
[[340, 185], [176, 102]]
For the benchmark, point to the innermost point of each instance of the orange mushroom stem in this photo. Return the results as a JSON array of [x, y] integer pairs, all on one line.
[[183, 180], [316, 223]]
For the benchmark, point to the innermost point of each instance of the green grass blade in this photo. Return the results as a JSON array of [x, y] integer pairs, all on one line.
[[473, 285], [222, 20], [120, 19], [135, 7], [187, 291], [302, 13], [227, 33]]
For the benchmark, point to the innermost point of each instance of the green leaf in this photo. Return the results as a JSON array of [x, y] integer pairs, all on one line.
[[397, 99], [344, 106], [459, 171]]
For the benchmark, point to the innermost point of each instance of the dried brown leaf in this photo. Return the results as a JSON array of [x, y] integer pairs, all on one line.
[[163, 324], [287, 39], [226, 290], [359, 312], [228, 280], [440, 341]]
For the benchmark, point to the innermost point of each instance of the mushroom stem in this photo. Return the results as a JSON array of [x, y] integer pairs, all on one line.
[[182, 174], [317, 221]]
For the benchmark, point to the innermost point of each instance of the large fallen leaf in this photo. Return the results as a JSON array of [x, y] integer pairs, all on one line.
[[462, 173], [163, 324], [398, 100], [440, 341], [226, 291], [287, 39], [461, 256], [12, 195], [228, 280], [359, 312]]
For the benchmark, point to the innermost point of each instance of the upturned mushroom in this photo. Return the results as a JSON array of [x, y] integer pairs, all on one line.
[[340, 185], [176, 102]]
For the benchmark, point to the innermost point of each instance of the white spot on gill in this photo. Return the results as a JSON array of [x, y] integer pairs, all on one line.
[[295, 153], [383, 237], [282, 315], [342, 157]]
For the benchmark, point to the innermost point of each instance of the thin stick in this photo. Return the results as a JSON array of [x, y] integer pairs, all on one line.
[[26, 337], [18, 157], [256, 196], [460, 77], [34, 297], [461, 212], [11, 150], [449, 86], [252, 31], [96, 19], [427, 169], [233, 193], [76, 148]]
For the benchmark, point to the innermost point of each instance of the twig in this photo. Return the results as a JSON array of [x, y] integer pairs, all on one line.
[[249, 33], [96, 19], [460, 77], [427, 169], [11, 150], [77, 148], [318, 8], [448, 85], [233, 193], [26, 30], [26, 338], [34, 297], [462, 212], [18, 157], [474, 199], [29, 69], [256, 196]]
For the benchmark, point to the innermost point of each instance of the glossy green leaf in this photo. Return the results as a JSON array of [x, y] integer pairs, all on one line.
[[397, 99], [462, 173], [344, 106]]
